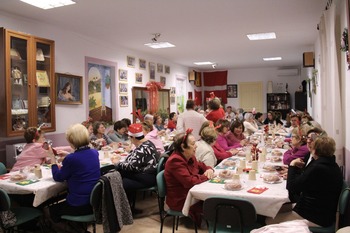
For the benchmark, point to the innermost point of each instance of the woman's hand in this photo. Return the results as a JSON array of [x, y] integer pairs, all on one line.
[[243, 142], [297, 163], [209, 173], [115, 159], [233, 151]]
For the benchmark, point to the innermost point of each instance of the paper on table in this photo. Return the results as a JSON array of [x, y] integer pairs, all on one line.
[[257, 190], [27, 182]]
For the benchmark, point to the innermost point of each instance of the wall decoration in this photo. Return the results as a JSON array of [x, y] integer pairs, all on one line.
[[101, 76], [180, 92], [159, 68], [163, 80], [131, 61], [232, 91], [124, 101], [172, 95], [152, 71], [142, 64], [69, 89], [138, 78], [167, 69], [123, 75], [123, 88]]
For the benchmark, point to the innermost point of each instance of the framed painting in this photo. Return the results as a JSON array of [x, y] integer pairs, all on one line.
[[138, 78], [152, 71], [69, 89], [123, 88], [123, 75], [130, 61], [172, 95], [163, 80], [124, 101], [167, 69], [142, 64], [159, 68], [232, 91]]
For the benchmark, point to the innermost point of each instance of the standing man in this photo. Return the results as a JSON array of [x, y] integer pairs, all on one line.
[[190, 119]]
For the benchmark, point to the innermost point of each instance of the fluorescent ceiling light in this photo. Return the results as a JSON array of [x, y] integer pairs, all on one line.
[[48, 4], [203, 63], [262, 36], [272, 58], [160, 45]]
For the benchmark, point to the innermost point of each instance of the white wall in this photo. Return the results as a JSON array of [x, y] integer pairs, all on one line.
[[70, 52]]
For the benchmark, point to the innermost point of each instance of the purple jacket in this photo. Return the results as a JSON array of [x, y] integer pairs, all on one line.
[[297, 152]]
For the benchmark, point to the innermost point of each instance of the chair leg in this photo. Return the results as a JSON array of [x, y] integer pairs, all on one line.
[[174, 224], [177, 222], [94, 227]]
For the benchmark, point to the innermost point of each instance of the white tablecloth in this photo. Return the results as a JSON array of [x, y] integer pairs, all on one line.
[[43, 190], [267, 203]]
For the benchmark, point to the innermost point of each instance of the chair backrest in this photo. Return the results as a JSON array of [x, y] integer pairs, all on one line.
[[106, 169], [161, 184], [229, 212], [342, 205], [2, 169], [96, 194], [161, 163], [5, 203]]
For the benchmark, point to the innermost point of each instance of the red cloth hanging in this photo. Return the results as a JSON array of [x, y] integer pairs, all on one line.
[[198, 97], [215, 82], [153, 88]]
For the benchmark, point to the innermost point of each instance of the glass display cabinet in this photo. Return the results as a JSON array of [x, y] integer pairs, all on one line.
[[27, 83]]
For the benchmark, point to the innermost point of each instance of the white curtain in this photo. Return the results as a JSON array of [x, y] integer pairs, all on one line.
[[329, 82]]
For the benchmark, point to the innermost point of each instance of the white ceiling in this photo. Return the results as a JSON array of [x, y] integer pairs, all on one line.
[[202, 30]]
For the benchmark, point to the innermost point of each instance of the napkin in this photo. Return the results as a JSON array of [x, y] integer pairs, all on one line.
[[217, 180], [27, 182], [257, 190]]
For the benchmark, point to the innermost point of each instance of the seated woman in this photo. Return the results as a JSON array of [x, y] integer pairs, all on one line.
[[81, 170], [222, 127], [235, 136], [319, 186], [216, 111], [271, 119], [99, 139], [33, 152], [183, 171], [204, 151], [158, 122], [119, 132], [250, 126], [172, 121], [140, 166], [299, 147], [259, 119], [152, 136]]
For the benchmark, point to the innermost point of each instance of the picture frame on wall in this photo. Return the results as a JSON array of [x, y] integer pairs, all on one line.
[[138, 78], [123, 88], [142, 64], [152, 71], [130, 61], [167, 69], [232, 91], [159, 68], [123, 75], [124, 101], [163, 80], [69, 89]]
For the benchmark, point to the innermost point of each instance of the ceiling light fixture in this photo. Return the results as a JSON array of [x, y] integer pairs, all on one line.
[[48, 4], [203, 63], [158, 45], [272, 58], [262, 36]]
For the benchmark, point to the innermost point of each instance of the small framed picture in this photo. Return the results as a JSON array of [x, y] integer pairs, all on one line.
[[152, 71], [167, 69], [131, 61], [123, 75], [232, 91], [163, 80], [123, 88], [142, 64], [159, 68], [138, 78], [124, 101]]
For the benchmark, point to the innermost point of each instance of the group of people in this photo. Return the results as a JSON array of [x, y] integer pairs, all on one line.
[[314, 179]]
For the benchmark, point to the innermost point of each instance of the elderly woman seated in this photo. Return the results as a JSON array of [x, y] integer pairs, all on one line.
[[204, 151]]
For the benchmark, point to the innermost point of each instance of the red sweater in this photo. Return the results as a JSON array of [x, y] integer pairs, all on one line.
[[180, 176], [215, 115], [171, 125], [220, 153]]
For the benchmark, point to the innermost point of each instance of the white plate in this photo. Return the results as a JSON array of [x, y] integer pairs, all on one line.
[[273, 182], [242, 187]]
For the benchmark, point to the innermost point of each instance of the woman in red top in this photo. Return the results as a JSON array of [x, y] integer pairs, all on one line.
[[172, 121], [216, 112], [183, 171]]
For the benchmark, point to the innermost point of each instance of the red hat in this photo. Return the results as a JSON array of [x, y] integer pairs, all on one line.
[[135, 130]]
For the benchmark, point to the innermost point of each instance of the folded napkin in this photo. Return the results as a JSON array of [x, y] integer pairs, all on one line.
[[27, 182], [257, 190], [217, 180]]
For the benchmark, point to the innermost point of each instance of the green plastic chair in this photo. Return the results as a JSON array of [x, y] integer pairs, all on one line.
[[342, 204], [3, 169], [161, 199], [230, 214], [90, 218], [23, 214]]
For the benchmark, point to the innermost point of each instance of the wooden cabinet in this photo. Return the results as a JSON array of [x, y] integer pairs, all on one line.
[[26, 83], [279, 102]]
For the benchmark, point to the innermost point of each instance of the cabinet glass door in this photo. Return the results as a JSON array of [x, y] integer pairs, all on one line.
[[44, 84], [19, 91]]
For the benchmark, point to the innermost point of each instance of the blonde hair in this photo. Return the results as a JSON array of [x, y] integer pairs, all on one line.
[[208, 134], [324, 146], [78, 135]]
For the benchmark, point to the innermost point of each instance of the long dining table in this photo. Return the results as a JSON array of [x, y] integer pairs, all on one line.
[[267, 198]]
